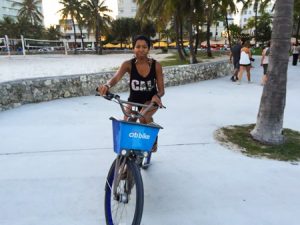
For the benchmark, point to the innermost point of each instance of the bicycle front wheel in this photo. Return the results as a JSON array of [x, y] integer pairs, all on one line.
[[124, 203]]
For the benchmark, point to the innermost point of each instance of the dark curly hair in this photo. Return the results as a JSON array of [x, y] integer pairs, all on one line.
[[141, 37]]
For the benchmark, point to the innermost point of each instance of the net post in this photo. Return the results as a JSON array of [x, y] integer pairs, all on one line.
[[23, 45], [66, 47], [7, 44]]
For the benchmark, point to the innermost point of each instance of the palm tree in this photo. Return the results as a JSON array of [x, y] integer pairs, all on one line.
[[226, 7], [263, 27], [29, 9], [258, 6], [297, 18], [192, 17], [70, 10], [269, 122], [98, 20], [166, 10], [81, 23], [208, 11], [52, 33], [8, 27]]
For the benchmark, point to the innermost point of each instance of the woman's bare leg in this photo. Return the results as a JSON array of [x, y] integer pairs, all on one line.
[[248, 73], [241, 71], [148, 115], [148, 118]]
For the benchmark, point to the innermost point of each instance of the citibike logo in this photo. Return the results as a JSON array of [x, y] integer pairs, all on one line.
[[139, 135]]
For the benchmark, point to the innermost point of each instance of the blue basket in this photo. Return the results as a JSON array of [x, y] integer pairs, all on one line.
[[133, 136]]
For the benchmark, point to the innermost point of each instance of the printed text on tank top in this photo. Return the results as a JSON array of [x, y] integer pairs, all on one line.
[[143, 84]]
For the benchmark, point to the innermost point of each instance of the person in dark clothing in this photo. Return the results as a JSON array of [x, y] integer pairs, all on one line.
[[146, 79], [235, 55], [295, 51]]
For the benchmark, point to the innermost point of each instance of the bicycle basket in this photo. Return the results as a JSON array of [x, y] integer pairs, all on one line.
[[133, 136]]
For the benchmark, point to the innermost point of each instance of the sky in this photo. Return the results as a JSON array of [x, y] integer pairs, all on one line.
[[51, 7]]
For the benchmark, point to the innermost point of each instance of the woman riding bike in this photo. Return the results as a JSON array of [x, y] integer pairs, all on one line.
[[146, 79]]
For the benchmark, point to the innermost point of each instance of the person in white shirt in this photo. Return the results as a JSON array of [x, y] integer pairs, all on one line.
[[245, 63], [264, 63]]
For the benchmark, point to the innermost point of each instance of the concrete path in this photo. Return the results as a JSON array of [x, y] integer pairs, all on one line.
[[54, 157]]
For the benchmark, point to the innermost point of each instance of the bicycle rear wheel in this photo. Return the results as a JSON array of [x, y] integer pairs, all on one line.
[[125, 206]]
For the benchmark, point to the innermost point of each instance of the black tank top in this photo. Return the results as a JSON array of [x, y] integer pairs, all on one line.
[[142, 89]]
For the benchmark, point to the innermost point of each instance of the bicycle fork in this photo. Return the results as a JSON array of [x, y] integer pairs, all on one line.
[[121, 183]]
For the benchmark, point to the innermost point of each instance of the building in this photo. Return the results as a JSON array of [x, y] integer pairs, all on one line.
[[126, 8], [7, 8], [67, 31]]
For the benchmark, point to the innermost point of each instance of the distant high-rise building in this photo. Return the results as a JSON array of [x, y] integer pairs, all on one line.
[[7, 8], [126, 8]]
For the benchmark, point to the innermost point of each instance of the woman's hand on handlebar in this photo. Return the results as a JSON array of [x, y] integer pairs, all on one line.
[[103, 89], [156, 99]]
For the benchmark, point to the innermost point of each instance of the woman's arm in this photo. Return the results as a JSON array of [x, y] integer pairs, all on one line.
[[125, 67], [263, 56], [159, 80], [160, 85], [250, 55]]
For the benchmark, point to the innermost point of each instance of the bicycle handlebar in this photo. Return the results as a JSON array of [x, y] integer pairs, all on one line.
[[135, 114]]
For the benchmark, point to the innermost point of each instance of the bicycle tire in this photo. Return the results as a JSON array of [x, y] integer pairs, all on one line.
[[116, 211]]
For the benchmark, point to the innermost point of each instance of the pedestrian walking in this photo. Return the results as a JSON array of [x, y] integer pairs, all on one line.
[[235, 54], [264, 63], [245, 63], [295, 51]]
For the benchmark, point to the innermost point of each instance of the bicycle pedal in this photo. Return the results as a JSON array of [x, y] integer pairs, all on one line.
[[145, 165]]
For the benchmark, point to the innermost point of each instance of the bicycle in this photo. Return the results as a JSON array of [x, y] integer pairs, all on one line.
[[133, 141]]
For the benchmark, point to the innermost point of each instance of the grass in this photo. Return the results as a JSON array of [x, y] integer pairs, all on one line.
[[256, 51], [174, 59], [240, 136]]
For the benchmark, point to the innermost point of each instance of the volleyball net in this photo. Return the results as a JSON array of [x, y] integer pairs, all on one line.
[[45, 46]]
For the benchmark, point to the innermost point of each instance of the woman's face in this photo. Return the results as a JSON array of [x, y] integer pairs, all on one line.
[[141, 48]]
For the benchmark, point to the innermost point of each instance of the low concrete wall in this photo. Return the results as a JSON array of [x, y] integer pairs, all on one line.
[[19, 92]]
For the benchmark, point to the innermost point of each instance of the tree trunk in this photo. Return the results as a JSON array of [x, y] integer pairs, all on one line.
[[228, 32], [255, 21], [193, 58], [208, 20], [209, 54], [75, 40], [297, 32], [269, 122], [100, 43], [97, 39], [181, 39], [181, 56], [197, 40], [82, 39], [98, 36]]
